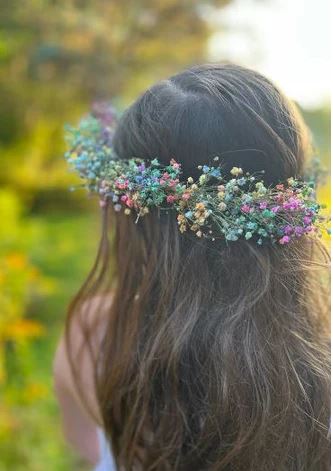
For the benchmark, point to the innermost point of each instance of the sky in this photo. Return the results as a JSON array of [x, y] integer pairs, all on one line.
[[287, 40]]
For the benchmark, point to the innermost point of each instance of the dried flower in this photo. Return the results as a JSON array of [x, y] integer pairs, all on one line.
[[200, 206], [236, 171], [171, 198], [284, 240], [202, 179], [213, 206], [222, 206]]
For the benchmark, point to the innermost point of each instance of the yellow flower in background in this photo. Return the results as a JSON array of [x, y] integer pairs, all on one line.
[[34, 392], [16, 260], [23, 329]]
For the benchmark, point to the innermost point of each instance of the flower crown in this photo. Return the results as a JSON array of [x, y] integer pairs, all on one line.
[[214, 206]]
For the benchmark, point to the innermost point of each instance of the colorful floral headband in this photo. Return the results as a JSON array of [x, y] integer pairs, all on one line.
[[214, 206]]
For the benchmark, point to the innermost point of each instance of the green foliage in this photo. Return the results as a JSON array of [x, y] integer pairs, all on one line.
[[57, 57], [319, 121], [61, 248]]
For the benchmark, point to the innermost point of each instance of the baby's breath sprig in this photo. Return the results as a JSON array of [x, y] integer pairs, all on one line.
[[217, 205], [244, 208]]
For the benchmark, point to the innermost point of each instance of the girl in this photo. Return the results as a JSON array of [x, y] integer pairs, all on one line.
[[200, 340]]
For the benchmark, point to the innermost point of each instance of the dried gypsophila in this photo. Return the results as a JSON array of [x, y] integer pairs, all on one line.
[[215, 206]]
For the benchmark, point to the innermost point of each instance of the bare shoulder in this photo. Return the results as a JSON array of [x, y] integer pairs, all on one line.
[[84, 340]]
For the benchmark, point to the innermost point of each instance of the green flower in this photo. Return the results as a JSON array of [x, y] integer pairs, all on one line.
[[202, 179], [268, 214]]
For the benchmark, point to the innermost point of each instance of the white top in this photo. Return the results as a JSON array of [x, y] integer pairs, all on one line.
[[106, 462]]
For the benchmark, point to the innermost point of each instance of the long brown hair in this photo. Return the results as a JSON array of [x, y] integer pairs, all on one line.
[[213, 356]]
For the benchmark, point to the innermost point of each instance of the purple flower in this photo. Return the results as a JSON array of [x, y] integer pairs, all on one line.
[[275, 209], [291, 204], [263, 205], [307, 220], [104, 112], [299, 231], [288, 230]]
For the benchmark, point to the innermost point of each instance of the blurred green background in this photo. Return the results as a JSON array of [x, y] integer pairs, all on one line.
[[57, 57]]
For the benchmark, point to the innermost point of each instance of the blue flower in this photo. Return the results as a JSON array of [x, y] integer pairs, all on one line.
[[247, 198], [252, 225], [216, 172], [205, 169], [262, 232], [231, 236]]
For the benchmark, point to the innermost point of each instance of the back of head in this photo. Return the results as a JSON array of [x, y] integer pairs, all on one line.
[[214, 357]]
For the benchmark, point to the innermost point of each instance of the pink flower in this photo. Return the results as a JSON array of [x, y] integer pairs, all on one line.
[[173, 183], [263, 205], [127, 200], [174, 163], [122, 184], [284, 240], [279, 198], [275, 209], [246, 208], [171, 198], [186, 196]]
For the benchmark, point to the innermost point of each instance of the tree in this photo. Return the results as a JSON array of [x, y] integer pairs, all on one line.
[[58, 56]]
